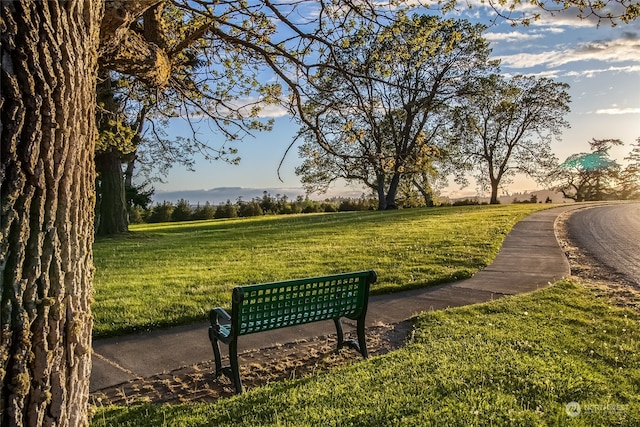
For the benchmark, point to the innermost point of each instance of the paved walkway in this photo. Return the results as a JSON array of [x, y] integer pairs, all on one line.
[[530, 258]]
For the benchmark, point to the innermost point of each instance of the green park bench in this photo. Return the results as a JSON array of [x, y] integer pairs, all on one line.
[[267, 306]]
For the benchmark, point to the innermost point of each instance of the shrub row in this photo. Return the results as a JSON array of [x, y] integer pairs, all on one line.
[[266, 205]]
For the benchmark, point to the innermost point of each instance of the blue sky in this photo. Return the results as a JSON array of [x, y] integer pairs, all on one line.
[[600, 63]]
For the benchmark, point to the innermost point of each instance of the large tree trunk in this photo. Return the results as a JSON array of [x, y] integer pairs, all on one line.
[[49, 57], [392, 192], [494, 193], [426, 192], [112, 205]]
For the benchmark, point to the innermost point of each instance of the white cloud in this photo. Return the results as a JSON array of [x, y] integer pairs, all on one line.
[[513, 36], [619, 50], [528, 60], [273, 111], [594, 72], [267, 111], [556, 17], [567, 18], [615, 111], [550, 74]]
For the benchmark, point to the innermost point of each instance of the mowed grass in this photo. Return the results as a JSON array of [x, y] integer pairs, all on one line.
[[516, 361], [174, 273]]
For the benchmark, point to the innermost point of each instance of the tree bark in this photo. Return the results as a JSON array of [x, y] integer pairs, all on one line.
[[392, 191], [49, 63], [494, 192], [426, 194], [111, 215], [126, 51]]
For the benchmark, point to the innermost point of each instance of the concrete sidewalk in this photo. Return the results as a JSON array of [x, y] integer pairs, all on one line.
[[529, 259]]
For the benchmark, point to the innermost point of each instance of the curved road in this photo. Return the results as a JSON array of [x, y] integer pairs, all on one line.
[[610, 234]]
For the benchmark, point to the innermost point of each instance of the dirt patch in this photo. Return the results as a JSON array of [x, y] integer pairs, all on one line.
[[257, 368]]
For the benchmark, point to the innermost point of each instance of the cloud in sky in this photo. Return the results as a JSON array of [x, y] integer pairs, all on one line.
[[272, 110], [555, 16], [244, 106], [618, 50], [615, 111], [593, 72], [565, 18], [513, 36], [520, 36]]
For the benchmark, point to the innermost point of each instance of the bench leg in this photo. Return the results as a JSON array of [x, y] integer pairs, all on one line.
[[361, 340], [235, 367], [339, 331], [216, 352], [232, 371], [360, 346]]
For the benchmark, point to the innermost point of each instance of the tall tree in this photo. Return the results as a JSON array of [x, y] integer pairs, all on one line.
[[588, 176], [378, 123], [629, 179], [505, 126], [116, 138], [204, 83], [49, 63]]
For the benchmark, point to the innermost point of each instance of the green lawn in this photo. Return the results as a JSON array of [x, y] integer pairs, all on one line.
[[168, 274], [516, 361]]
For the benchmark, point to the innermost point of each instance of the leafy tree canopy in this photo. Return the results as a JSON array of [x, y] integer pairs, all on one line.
[[589, 176], [379, 104], [505, 126]]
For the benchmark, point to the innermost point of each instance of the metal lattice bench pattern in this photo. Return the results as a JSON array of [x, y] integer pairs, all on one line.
[[267, 306], [276, 305]]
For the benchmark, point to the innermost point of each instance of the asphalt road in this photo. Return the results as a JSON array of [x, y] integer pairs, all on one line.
[[611, 235]]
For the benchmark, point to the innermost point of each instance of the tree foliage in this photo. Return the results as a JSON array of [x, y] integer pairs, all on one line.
[[629, 179], [380, 104], [612, 12], [211, 62], [209, 57], [589, 176], [505, 126]]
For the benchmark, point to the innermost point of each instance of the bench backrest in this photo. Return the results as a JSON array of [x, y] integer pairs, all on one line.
[[266, 306]]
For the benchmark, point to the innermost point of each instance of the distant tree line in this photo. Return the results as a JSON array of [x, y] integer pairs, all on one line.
[[182, 210]]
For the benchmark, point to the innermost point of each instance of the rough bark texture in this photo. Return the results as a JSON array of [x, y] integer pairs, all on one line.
[[126, 51], [49, 55]]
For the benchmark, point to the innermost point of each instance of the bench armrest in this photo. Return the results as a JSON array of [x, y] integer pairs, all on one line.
[[218, 314], [222, 314]]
